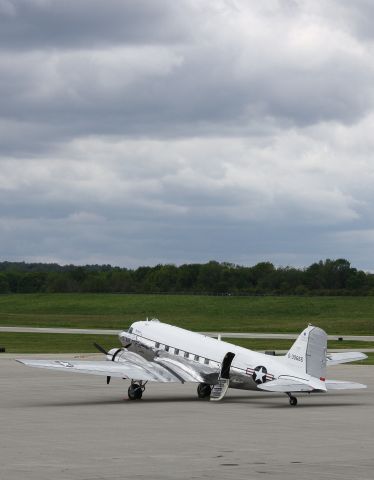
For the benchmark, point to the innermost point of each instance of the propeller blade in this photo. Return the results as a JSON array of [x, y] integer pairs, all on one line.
[[113, 359], [115, 354], [100, 348]]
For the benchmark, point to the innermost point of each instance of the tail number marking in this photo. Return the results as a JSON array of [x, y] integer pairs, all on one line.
[[298, 358]]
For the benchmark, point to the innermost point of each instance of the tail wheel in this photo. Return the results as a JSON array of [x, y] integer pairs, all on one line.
[[293, 401]]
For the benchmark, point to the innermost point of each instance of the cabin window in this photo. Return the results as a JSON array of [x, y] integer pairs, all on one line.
[[197, 358], [166, 348], [157, 345], [186, 354], [206, 361], [176, 351]]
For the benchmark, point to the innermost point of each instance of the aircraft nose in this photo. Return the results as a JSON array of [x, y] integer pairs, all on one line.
[[125, 338]]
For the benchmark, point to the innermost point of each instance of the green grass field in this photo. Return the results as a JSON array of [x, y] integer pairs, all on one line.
[[337, 315], [65, 343], [55, 342]]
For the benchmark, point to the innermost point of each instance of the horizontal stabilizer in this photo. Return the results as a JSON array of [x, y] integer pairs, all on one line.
[[344, 357], [338, 385], [285, 385]]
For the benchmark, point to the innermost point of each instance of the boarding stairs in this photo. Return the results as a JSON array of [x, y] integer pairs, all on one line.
[[219, 389]]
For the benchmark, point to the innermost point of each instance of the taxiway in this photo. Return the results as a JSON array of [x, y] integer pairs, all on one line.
[[66, 426]]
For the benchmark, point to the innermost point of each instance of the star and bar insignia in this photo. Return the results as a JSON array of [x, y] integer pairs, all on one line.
[[259, 374]]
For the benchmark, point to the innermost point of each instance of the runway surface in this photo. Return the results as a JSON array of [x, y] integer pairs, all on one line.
[[64, 426]]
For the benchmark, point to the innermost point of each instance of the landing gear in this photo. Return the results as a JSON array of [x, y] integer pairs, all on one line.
[[293, 400], [136, 390], [204, 390]]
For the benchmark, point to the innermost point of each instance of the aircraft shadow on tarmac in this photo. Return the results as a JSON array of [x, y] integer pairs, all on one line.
[[317, 400], [117, 401], [258, 401]]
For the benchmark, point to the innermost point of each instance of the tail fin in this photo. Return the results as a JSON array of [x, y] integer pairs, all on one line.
[[308, 353]]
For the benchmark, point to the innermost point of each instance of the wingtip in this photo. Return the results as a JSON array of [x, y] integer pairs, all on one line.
[[20, 360]]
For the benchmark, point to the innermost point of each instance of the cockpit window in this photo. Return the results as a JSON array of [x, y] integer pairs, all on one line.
[[186, 354], [130, 330]]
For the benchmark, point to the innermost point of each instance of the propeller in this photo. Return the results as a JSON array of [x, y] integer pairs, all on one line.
[[102, 350]]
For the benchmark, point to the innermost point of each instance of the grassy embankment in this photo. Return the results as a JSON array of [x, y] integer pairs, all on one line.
[[337, 315]]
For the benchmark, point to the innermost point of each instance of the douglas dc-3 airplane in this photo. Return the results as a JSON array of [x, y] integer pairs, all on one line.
[[156, 352]]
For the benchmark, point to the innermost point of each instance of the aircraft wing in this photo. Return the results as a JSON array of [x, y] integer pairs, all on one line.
[[344, 357], [133, 366], [112, 369]]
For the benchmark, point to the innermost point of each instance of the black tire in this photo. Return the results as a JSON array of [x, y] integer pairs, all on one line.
[[135, 392], [204, 390], [293, 401]]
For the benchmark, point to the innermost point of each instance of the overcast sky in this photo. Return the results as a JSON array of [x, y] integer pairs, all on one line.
[[162, 131]]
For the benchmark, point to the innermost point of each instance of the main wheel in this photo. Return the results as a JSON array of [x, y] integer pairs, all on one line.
[[135, 392], [293, 401], [204, 390]]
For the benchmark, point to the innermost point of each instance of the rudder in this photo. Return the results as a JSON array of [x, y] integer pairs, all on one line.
[[308, 353]]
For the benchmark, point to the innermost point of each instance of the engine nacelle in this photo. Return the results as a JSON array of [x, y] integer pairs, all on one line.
[[113, 354]]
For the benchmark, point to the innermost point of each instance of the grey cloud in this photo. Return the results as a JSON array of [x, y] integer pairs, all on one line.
[[50, 24], [134, 243], [356, 17], [216, 179], [178, 96], [222, 79], [146, 132]]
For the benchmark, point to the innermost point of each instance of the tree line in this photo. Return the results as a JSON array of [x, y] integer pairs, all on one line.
[[328, 277]]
